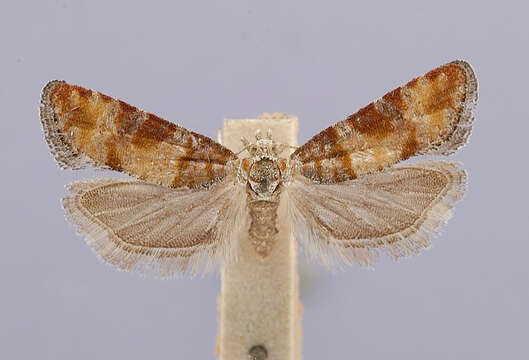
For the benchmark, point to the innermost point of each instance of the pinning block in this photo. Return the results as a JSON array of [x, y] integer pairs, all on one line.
[[259, 302]]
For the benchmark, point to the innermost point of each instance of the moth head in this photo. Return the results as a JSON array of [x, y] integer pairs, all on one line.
[[264, 147]]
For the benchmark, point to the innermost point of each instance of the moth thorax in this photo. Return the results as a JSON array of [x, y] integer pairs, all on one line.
[[264, 176]]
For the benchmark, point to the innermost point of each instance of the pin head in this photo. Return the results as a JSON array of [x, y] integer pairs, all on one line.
[[257, 352]]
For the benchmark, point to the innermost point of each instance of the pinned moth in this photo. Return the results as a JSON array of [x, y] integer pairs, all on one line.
[[192, 196]]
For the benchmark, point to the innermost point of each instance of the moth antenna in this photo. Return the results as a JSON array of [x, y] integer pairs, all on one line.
[[245, 144], [244, 141]]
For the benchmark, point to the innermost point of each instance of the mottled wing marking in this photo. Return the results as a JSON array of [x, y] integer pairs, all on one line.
[[392, 211], [429, 115], [139, 225], [84, 127]]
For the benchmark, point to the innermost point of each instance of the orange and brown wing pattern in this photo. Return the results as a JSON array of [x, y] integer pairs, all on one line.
[[84, 127], [431, 114]]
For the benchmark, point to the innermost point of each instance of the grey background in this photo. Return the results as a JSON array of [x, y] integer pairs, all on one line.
[[195, 63]]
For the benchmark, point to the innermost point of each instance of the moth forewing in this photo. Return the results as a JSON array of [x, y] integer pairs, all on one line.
[[431, 114], [85, 128]]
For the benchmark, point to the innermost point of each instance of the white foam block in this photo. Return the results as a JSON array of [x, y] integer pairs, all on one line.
[[259, 299]]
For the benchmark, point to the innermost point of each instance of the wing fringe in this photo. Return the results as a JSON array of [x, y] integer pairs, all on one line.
[[59, 143], [463, 126]]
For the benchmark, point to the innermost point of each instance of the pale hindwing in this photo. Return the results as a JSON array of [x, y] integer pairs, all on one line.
[[143, 226], [392, 211]]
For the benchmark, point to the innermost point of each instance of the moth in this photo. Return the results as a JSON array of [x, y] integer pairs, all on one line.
[[346, 197]]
